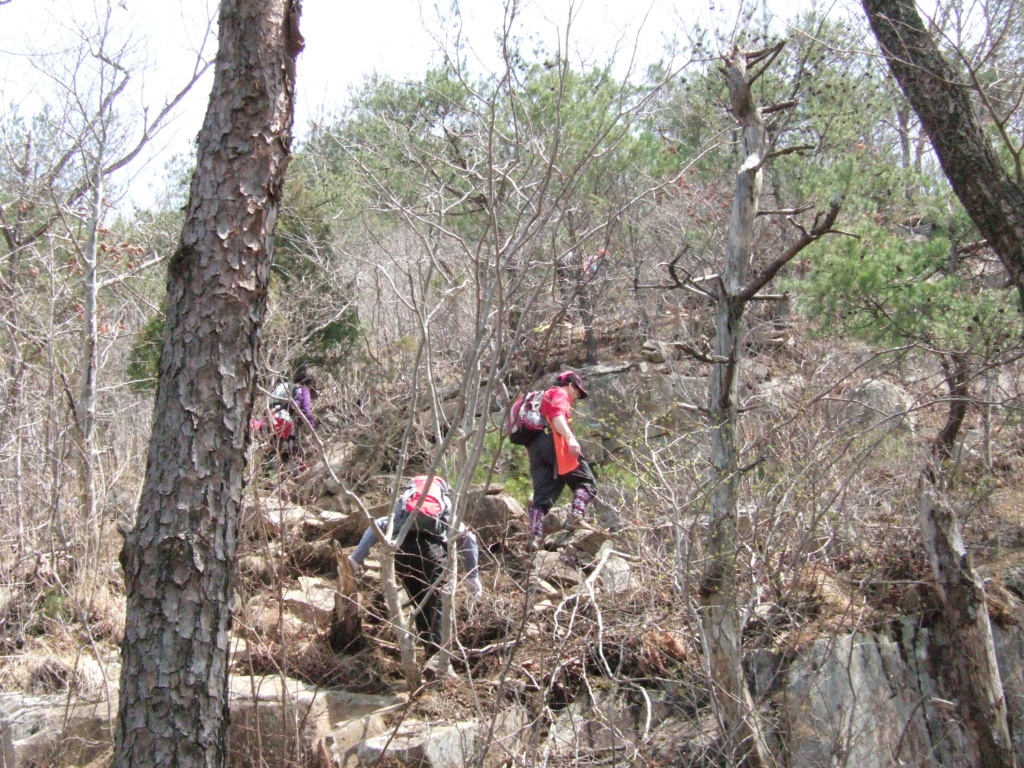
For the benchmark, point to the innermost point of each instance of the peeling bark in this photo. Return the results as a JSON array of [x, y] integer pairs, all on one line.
[[178, 557]]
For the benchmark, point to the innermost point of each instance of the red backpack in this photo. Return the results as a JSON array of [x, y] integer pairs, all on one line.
[[437, 501], [436, 507], [524, 421]]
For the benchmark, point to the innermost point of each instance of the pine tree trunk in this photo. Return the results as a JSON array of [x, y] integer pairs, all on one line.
[[995, 203], [179, 556], [987, 191]]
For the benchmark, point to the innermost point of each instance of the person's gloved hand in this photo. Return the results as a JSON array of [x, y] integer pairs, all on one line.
[[474, 587]]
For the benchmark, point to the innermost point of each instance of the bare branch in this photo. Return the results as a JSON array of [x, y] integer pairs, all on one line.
[[766, 55], [701, 356], [787, 151], [822, 226], [150, 129], [781, 106], [973, 247], [786, 211], [686, 282], [130, 273]]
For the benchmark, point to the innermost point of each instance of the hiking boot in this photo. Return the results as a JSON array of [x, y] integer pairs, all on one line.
[[533, 544], [356, 567]]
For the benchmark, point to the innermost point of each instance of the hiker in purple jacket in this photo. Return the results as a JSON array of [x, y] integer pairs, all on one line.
[[300, 411], [303, 394]]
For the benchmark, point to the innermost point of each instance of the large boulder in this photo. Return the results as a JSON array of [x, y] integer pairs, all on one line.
[[784, 393], [874, 403], [552, 568], [607, 723], [440, 745], [355, 717], [342, 743], [317, 482], [273, 517], [494, 517], [616, 577], [275, 721], [35, 730], [579, 547], [854, 695], [875, 698], [312, 601], [261, 619]]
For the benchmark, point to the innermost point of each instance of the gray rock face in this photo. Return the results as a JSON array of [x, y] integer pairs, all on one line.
[[854, 697], [626, 403], [873, 700], [578, 546], [616, 576], [288, 722], [343, 741], [608, 723], [313, 601], [875, 403], [278, 722], [552, 568], [870, 699]]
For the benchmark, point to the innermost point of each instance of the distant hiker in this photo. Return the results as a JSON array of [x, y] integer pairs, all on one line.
[[422, 557], [293, 402], [556, 460], [593, 262], [304, 392]]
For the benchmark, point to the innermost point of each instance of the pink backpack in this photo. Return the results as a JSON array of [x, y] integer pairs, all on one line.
[[437, 502], [524, 421]]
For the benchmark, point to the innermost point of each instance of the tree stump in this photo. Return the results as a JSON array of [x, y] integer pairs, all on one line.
[[346, 629]]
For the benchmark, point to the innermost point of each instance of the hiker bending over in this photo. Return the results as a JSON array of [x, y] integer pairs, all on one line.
[[422, 558], [556, 460], [469, 550]]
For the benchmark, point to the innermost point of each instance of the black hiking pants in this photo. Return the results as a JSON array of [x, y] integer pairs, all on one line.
[[547, 483], [420, 563]]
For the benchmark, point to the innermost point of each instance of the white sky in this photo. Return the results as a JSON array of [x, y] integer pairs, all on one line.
[[345, 41]]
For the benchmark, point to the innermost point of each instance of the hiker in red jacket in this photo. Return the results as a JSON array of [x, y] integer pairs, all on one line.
[[556, 461]]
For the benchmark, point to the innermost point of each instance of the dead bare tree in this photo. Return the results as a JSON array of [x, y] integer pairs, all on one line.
[[60, 200], [720, 592]]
